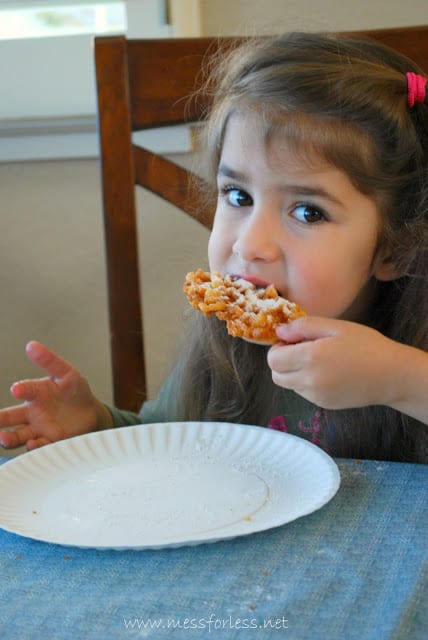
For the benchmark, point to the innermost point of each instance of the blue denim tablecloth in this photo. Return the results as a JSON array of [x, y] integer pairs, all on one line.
[[355, 569]]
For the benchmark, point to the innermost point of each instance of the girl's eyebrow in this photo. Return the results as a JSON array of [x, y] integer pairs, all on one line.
[[294, 189], [228, 172], [305, 190]]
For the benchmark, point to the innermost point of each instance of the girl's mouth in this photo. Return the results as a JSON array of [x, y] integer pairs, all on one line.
[[257, 282], [260, 284]]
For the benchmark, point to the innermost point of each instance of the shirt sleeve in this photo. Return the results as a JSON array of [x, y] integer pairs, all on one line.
[[162, 409], [122, 418]]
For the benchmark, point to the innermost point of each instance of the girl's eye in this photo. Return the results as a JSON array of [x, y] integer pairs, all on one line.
[[308, 213], [237, 197]]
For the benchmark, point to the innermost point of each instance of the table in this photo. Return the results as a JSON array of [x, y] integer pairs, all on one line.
[[356, 569]]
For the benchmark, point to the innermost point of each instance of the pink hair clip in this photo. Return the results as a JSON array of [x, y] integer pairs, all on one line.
[[416, 88]]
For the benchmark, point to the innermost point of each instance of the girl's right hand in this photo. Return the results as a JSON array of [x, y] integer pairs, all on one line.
[[57, 407]]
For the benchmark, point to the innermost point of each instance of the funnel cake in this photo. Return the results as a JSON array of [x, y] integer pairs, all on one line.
[[250, 312]]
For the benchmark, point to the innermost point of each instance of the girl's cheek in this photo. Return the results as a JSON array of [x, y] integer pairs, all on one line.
[[212, 249], [220, 245], [212, 255], [313, 289]]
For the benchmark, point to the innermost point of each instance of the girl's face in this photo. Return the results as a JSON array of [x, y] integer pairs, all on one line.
[[297, 223]]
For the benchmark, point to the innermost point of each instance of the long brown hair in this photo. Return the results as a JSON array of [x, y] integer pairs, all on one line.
[[343, 99]]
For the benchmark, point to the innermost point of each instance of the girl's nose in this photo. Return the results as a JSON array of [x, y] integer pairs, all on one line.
[[257, 240]]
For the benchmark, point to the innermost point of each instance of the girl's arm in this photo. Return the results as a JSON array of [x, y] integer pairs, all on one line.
[[411, 388], [338, 365], [59, 406]]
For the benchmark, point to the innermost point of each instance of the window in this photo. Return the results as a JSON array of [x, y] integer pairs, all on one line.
[[41, 20], [53, 77], [48, 100]]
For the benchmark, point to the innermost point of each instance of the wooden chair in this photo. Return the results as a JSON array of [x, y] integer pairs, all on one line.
[[143, 84]]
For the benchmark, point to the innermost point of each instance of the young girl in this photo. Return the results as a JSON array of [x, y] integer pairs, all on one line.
[[318, 151]]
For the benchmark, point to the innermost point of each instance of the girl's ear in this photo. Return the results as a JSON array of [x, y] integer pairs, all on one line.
[[385, 267]]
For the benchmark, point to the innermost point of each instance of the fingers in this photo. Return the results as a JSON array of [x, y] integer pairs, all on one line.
[[286, 360], [20, 437], [306, 328], [13, 416], [299, 336], [28, 390], [47, 360], [17, 438], [36, 443]]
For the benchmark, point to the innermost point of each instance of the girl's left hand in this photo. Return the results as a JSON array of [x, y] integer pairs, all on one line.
[[336, 364]]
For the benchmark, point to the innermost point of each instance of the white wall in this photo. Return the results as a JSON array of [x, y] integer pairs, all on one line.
[[247, 17], [52, 275]]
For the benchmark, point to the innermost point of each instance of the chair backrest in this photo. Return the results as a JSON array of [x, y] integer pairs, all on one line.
[[142, 84]]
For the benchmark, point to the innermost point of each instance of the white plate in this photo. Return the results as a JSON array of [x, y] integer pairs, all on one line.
[[159, 485]]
